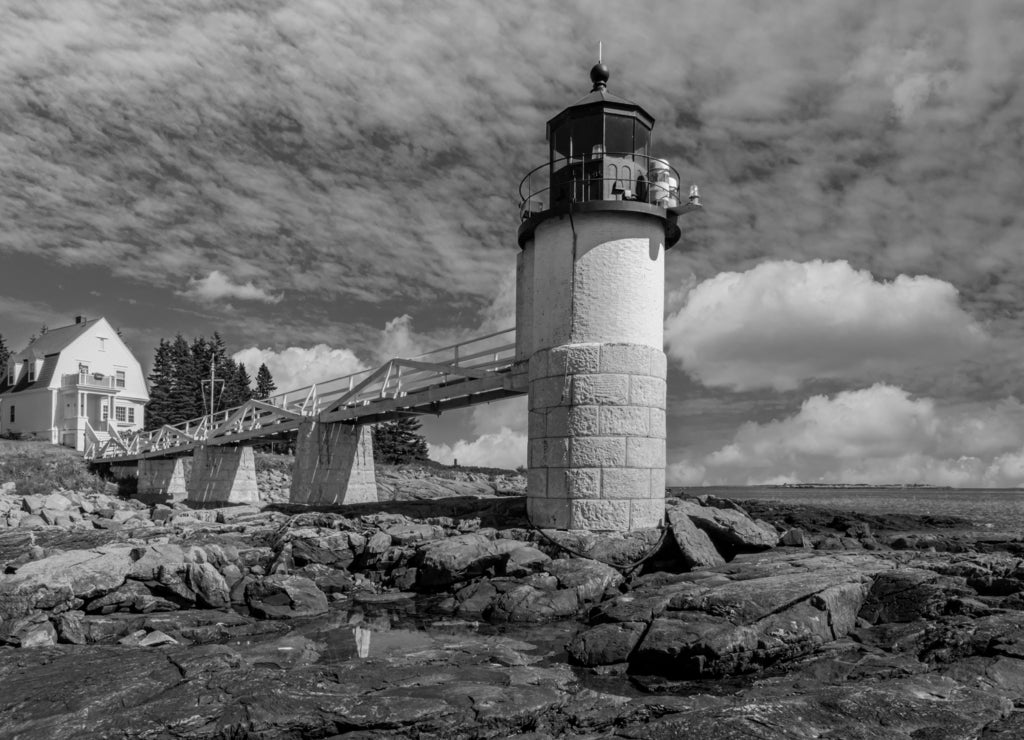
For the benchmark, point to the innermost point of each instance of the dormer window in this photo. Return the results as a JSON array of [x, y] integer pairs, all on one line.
[[12, 373], [32, 371]]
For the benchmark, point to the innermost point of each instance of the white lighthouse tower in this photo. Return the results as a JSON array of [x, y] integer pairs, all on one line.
[[596, 221]]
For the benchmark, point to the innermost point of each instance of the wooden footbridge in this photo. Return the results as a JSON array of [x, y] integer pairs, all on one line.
[[476, 371]]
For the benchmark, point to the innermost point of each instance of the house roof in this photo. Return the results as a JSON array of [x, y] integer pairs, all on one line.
[[55, 340], [42, 379], [46, 348]]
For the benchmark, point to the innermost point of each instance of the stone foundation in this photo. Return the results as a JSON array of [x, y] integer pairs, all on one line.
[[333, 465], [223, 475], [161, 480], [597, 437]]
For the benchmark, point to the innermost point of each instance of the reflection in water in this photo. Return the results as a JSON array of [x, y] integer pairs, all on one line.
[[362, 637]]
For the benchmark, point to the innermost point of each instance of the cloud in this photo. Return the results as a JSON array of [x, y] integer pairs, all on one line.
[[502, 449], [296, 367], [399, 340], [780, 324], [217, 286], [879, 434]]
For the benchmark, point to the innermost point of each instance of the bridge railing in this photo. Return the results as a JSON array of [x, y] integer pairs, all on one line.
[[396, 378]]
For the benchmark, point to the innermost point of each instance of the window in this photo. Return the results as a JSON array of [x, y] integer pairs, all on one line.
[[31, 371], [104, 412], [131, 414], [11, 374], [119, 378], [103, 344], [12, 414], [120, 413]]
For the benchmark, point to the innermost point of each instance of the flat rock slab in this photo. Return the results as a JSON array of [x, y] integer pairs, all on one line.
[[732, 619]]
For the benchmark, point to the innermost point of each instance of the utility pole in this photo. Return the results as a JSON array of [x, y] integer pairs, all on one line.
[[213, 384]]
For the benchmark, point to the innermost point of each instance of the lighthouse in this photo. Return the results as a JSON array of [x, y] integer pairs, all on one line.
[[596, 221]]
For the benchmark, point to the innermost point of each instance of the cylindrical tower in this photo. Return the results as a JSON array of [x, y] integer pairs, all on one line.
[[597, 219]]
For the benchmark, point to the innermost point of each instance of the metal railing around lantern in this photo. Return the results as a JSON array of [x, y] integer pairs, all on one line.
[[620, 176]]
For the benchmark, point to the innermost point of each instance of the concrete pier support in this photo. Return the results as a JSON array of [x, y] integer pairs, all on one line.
[[161, 480], [223, 474], [333, 465], [597, 371]]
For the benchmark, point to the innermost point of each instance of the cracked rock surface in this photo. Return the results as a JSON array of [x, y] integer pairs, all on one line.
[[452, 618]]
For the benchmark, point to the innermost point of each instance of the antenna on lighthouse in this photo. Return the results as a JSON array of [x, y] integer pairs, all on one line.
[[599, 45]]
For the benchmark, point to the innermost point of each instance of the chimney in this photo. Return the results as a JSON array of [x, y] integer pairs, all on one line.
[[79, 319]]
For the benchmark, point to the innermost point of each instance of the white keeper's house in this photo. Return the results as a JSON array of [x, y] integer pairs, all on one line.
[[75, 386]]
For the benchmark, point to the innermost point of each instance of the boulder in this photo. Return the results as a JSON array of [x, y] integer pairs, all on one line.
[[527, 603], [331, 548], [412, 533], [37, 635], [696, 547], [208, 585], [54, 580], [715, 623], [147, 561], [70, 628], [120, 599], [606, 644], [794, 537], [57, 502], [33, 503], [730, 529], [525, 560], [449, 561], [285, 597], [908, 594], [588, 578]]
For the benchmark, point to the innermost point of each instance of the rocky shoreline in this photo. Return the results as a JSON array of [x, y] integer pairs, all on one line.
[[450, 616]]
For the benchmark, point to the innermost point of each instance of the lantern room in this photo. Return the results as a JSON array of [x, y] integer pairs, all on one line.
[[599, 148], [599, 157]]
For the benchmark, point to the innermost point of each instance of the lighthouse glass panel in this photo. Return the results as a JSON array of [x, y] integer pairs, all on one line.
[[587, 137], [618, 135], [560, 147]]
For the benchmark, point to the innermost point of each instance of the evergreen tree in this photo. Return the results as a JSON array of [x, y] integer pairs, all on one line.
[[179, 382], [399, 441], [5, 356], [237, 386], [161, 387], [187, 393], [264, 383]]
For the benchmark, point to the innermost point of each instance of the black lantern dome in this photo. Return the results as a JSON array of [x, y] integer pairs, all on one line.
[[599, 158], [599, 147]]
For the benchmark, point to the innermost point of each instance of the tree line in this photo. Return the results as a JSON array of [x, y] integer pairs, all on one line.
[[179, 390], [180, 381]]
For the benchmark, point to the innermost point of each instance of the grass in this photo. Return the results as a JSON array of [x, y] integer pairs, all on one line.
[[40, 467]]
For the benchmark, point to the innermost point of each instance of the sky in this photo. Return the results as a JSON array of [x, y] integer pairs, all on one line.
[[330, 184]]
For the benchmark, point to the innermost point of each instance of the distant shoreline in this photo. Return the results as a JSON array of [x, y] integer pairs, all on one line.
[[895, 486]]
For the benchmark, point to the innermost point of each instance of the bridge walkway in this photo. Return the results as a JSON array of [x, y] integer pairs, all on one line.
[[476, 371]]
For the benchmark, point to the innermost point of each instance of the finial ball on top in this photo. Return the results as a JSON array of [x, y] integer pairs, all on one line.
[[599, 75]]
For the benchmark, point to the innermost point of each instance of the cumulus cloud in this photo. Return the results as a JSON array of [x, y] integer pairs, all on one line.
[[496, 437], [782, 323], [879, 434], [217, 286], [295, 367], [502, 449], [362, 160]]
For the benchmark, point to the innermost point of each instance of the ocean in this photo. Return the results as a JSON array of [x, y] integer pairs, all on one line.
[[991, 511]]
